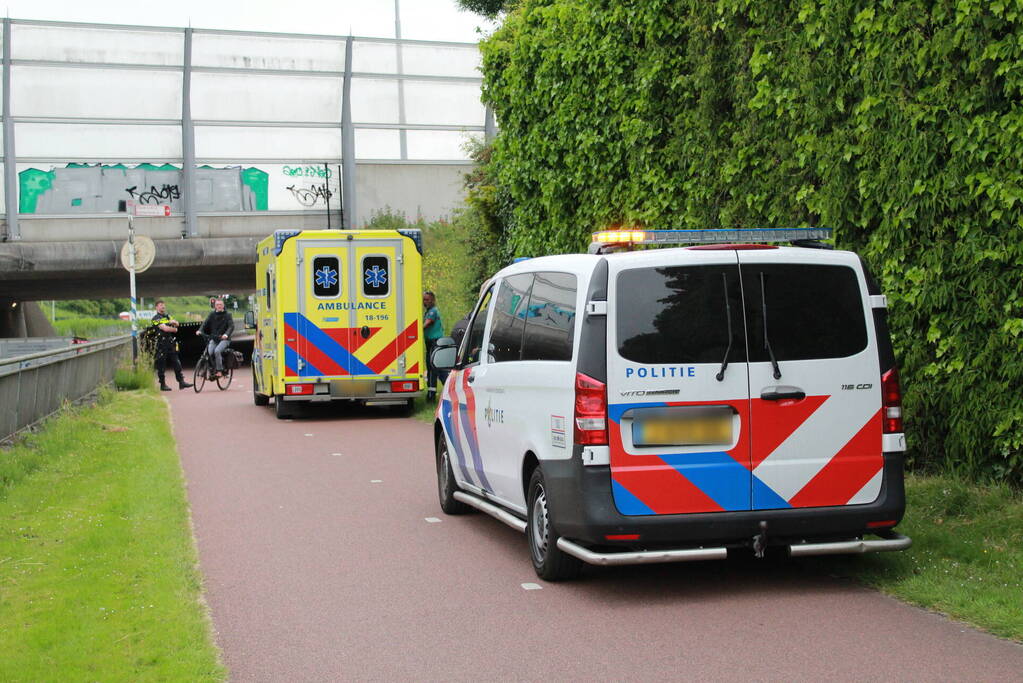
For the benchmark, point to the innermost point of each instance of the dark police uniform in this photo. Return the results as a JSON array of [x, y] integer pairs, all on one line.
[[166, 348]]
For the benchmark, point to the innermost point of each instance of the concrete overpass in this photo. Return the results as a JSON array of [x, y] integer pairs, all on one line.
[[239, 133]]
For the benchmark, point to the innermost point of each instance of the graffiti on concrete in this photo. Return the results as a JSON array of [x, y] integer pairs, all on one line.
[[99, 188], [309, 196], [164, 195], [308, 171]]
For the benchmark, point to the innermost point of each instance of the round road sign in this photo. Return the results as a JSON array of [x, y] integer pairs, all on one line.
[[145, 252]]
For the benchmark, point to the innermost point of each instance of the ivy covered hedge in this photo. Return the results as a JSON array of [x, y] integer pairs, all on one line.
[[899, 123]]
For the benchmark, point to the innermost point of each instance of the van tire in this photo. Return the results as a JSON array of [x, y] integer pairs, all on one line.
[[446, 485], [549, 561], [258, 398], [282, 410]]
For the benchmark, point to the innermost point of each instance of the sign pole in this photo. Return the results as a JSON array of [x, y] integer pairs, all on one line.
[[131, 275]]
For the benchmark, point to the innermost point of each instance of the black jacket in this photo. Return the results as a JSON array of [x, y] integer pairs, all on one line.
[[217, 324]]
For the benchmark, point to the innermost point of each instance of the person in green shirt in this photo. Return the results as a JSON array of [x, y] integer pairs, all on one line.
[[433, 329]]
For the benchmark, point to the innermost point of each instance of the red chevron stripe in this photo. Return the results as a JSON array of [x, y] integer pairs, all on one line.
[[350, 337], [389, 353], [775, 421], [660, 486], [414, 369], [313, 355], [847, 472]]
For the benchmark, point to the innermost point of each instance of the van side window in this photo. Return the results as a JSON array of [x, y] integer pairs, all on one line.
[[510, 317], [550, 318], [679, 314], [268, 289], [376, 276], [813, 311], [471, 345]]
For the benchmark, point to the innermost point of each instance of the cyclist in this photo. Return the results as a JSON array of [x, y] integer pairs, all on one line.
[[218, 326]]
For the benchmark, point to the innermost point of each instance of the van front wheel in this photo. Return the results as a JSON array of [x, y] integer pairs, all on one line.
[[446, 485], [549, 561]]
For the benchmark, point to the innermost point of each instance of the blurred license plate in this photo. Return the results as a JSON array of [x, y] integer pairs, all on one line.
[[697, 429]]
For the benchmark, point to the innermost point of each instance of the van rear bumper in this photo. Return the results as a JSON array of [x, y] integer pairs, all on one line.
[[583, 511]]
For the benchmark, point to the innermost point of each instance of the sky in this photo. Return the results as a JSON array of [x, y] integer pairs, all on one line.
[[420, 19]]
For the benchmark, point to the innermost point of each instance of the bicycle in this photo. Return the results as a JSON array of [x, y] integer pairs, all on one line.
[[204, 369]]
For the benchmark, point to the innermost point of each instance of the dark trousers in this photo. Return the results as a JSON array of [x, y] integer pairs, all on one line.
[[165, 357]]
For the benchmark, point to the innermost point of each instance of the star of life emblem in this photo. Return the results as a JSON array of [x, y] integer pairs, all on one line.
[[326, 277], [376, 277]]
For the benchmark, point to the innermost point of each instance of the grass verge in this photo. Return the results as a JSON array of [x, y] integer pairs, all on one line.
[[967, 554], [92, 328], [98, 576]]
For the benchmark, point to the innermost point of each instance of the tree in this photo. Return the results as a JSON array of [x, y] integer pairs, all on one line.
[[488, 8]]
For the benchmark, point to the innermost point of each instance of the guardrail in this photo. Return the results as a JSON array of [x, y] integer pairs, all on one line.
[[36, 385]]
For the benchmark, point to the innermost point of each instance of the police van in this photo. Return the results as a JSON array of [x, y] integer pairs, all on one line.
[[669, 404], [337, 317]]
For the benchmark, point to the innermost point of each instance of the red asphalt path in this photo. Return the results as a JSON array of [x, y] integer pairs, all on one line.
[[315, 572]]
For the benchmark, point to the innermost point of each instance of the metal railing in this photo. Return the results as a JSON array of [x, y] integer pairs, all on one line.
[[34, 386]]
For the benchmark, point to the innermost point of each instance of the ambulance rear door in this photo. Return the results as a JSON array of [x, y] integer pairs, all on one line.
[[317, 336]]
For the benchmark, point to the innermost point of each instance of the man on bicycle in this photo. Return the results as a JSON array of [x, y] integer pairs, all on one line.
[[219, 325]]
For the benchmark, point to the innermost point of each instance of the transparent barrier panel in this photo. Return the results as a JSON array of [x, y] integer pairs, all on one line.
[[97, 45], [100, 93], [267, 52], [435, 60], [374, 57], [263, 97], [457, 104], [377, 144], [374, 100], [235, 142], [3, 193], [79, 142], [440, 145]]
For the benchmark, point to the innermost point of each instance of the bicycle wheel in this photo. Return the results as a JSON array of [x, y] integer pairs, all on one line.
[[199, 376], [224, 381]]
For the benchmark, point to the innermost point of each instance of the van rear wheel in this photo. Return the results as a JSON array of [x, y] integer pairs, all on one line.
[[549, 561], [258, 398], [446, 485], [281, 409]]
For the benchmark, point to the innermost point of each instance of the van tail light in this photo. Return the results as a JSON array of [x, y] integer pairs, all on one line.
[[891, 402], [299, 389], [590, 411]]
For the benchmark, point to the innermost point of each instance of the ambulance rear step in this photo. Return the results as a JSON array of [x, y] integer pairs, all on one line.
[[888, 541]]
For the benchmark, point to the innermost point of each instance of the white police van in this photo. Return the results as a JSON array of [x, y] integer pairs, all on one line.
[[666, 405]]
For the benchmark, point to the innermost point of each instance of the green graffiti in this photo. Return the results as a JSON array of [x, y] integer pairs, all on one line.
[[33, 183], [258, 181]]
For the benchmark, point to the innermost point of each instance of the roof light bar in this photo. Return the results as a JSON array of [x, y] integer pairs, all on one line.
[[720, 236]]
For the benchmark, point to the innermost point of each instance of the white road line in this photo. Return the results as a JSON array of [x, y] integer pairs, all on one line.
[[308, 434], [432, 520], [532, 586], [376, 481], [336, 455]]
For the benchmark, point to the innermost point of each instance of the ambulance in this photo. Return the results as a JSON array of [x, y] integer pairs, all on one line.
[[337, 317], [642, 404]]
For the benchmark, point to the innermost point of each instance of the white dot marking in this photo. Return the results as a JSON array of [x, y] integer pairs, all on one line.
[[532, 586], [432, 520]]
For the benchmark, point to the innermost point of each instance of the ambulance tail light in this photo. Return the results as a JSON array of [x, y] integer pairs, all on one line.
[[405, 385], [590, 411], [891, 402], [299, 389]]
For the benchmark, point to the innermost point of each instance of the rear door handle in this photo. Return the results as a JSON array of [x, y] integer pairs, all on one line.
[[782, 393]]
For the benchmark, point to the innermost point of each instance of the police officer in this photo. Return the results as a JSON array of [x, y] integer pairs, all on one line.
[[166, 346]]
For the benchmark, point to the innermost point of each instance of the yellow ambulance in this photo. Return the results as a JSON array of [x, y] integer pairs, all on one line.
[[338, 317]]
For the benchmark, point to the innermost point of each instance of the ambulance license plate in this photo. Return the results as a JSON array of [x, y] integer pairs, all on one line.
[[683, 427]]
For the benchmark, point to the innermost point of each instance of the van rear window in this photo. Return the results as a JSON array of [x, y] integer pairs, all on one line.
[[679, 314], [812, 311]]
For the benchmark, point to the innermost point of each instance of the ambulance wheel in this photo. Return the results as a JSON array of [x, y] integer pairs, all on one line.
[[446, 485], [281, 409], [549, 561], [404, 409], [258, 398]]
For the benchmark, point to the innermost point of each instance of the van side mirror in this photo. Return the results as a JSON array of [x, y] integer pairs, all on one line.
[[443, 357], [250, 320], [445, 342]]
